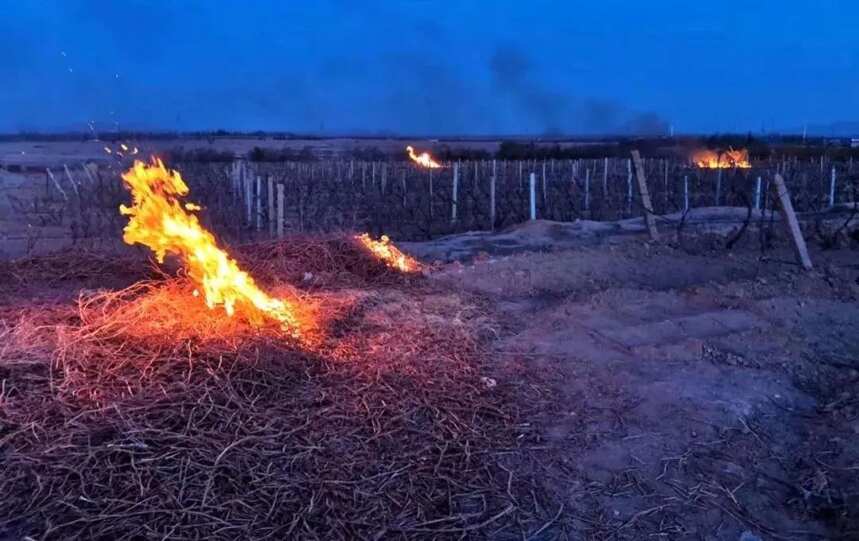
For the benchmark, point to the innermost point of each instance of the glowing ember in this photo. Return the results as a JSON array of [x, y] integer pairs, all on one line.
[[729, 159], [424, 159], [161, 221], [123, 150], [390, 254]]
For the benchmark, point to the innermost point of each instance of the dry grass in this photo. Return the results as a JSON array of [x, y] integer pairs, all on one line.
[[138, 413], [81, 264], [332, 261]]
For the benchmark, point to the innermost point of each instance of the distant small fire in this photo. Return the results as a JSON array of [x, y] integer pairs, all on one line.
[[390, 254], [728, 159], [160, 220], [424, 159]]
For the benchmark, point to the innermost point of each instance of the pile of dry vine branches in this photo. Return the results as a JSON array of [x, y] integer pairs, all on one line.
[[136, 412]]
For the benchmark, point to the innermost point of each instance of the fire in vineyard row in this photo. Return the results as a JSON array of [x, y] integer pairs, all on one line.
[[160, 220], [728, 159], [423, 159]]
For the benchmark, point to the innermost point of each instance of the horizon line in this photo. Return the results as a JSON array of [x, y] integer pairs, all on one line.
[[221, 133]]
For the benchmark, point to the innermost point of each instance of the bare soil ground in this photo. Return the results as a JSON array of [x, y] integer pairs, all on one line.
[[660, 391], [697, 393]]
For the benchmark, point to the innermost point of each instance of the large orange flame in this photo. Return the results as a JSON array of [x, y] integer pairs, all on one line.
[[423, 159], [159, 220], [390, 254], [729, 159]]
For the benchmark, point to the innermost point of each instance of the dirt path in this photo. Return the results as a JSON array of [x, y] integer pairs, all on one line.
[[704, 395]]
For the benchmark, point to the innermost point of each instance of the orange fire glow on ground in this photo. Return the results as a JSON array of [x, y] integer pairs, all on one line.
[[728, 159], [423, 159], [390, 254], [160, 220]]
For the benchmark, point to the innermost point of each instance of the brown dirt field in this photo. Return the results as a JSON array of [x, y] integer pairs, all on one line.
[[697, 393]]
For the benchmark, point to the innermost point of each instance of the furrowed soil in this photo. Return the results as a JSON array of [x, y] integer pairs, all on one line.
[[697, 393]]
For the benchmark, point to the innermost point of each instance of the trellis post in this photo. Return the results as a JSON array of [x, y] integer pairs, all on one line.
[[280, 217], [587, 189], [605, 178], [532, 181], [758, 194], [788, 217], [628, 186], [832, 188], [649, 217], [718, 186], [430, 194], [492, 199], [454, 193], [544, 186], [259, 203], [249, 200], [270, 201], [685, 193]]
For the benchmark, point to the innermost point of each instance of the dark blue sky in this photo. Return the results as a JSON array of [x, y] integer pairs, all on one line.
[[489, 66]]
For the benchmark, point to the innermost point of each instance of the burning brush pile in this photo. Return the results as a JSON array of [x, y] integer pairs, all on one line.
[[336, 394], [725, 159]]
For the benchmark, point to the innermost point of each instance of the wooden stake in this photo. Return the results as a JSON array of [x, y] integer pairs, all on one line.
[[234, 177], [88, 173], [758, 194], [71, 180], [492, 199], [270, 200], [832, 188], [231, 174], [249, 200], [532, 180], [544, 186], [649, 218], [718, 186], [766, 194], [605, 178], [280, 216], [259, 203], [685, 193], [587, 189], [665, 184], [455, 189], [57, 184], [791, 223], [628, 186], [430, 194]]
